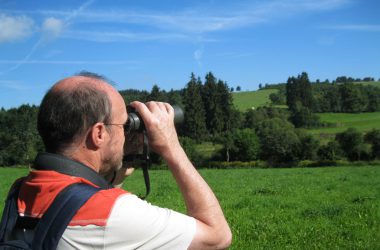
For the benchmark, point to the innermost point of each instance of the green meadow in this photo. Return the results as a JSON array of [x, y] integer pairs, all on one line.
[[342, 121], [339, 121], [375, 83], [252, 99], [293, 208]]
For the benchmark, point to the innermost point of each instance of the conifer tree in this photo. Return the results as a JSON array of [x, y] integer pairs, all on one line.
[[212, 99], [195, 123]]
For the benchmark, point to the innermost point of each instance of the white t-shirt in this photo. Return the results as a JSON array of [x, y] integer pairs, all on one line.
[[133, 224]]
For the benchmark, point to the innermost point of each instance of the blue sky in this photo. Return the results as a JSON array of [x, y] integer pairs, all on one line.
[[138, 43]]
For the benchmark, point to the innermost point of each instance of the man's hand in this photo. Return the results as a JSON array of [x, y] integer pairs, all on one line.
[[121, 174], [159, 123]]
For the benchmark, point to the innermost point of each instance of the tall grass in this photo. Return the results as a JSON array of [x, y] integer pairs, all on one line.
[[310, 208]]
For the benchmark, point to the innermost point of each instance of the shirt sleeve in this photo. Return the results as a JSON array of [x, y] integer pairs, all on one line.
[[136, 224]]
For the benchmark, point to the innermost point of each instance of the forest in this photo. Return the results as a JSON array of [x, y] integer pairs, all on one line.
[[271, 136]]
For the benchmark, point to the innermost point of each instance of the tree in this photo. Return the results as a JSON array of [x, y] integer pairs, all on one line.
[[279, 141], [175, 98], [373, 138], [277, 99], [195, 122], [156, 94], [299, 92], [309, 146], [331, 151], [304, 118], [351, 142], [229, 115], [212, 100], [352, 101], [246, 145], [19, 139], [253, 117], [238, 88], [373, 94]]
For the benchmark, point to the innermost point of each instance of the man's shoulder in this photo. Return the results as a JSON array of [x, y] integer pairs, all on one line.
[[97, 209]]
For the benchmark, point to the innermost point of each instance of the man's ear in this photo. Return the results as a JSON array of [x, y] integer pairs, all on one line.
[[97, 135]]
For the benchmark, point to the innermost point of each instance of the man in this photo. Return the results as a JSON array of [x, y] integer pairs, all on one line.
[[81, 122]]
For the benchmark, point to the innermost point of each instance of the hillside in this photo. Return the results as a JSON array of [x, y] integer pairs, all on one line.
[[362, 121], [376, 83], [252, 99]]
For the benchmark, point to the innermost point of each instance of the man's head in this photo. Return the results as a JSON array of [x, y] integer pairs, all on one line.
[[74, 120]]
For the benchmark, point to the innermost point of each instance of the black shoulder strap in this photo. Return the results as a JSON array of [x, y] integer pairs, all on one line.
[[54, 222], [10, 213], [64, 165]]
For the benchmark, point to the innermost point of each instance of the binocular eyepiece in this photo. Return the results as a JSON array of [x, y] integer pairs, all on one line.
[[136, 124]]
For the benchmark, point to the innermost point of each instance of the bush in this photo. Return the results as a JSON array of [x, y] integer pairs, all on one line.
[[279, 141], [246, 145], [330, 152]]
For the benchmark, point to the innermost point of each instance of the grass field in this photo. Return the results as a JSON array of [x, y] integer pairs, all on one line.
[[310, 208], [375, 83], [362, 121], [247, 100]]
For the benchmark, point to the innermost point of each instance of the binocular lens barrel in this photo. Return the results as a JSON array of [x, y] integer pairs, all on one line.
[[136, 124]]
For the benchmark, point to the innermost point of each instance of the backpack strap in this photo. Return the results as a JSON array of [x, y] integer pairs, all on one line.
[[56, 219], [10, 213], [54, 222]]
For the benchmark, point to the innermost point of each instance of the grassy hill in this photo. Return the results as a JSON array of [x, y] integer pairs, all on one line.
[[249, 99], [376, 83], [362, 121]]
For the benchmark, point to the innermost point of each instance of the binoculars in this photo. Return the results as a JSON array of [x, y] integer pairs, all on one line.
[[136, 124], [136, 148]]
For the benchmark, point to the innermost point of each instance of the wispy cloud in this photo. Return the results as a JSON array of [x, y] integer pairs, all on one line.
[[123, 36], [51, 28], [70, 62], [356, 27], [14, 28], [198, 54], [13, 85], [199, 20], [196, 24]]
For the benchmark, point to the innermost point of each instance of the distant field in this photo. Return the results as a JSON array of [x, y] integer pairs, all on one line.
[[376, 83], [249, 99], [362, 121], [299, 208]]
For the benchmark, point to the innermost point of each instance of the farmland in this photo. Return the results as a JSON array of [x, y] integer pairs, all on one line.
[[313, 208]]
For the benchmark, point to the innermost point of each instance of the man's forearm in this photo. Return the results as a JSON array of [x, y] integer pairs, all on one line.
[[201, 202]]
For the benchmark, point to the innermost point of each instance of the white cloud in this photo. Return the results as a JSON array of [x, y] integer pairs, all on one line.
[[52, 27], [15, 28]]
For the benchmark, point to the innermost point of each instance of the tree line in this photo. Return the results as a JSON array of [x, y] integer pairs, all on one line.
[[274, 135], [344, 95]]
